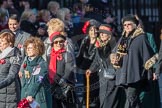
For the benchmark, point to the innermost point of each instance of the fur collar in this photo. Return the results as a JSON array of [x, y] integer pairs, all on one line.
[[138, 31]]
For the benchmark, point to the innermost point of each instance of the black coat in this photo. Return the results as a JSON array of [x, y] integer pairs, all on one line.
[[86, 54], [107, 90], [159, 64], [138, 52], [9, 83]]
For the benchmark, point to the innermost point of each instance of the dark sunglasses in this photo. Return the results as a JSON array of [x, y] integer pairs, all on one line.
[[60, 42]]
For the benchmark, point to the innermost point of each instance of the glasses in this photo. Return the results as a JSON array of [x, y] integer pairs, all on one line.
[[129, 24], [60, 42]]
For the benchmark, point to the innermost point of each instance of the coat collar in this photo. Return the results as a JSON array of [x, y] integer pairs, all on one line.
[[137, 32]]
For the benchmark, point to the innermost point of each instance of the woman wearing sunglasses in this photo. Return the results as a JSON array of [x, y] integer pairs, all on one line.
[[60, 72]]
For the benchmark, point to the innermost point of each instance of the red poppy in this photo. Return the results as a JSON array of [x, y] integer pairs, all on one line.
[[2, 61], [20, 46], [23, 104], [84, 29], [97, 44], [24, 65]]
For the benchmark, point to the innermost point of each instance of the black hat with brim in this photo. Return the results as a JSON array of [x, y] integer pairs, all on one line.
[[105, 28]]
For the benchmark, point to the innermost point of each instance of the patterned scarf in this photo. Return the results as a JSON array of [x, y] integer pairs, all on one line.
[[54, 56]]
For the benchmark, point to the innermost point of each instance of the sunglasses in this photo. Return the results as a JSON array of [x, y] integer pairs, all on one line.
[[60, 42], [129, 24]]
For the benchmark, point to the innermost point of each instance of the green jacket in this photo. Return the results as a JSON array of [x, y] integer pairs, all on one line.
[[34, 71]]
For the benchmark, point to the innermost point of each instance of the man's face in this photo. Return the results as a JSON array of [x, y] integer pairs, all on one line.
[[13, 25]]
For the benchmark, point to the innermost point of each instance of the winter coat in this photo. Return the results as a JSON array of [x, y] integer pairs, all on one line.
[[65, 72], [107, 87], [138, 52], [20, 38], [86, 54], [9, 81], [69, 47], [65, 68], [32, 82]]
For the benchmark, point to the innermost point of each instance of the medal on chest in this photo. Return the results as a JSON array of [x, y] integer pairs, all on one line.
[[27, 74]]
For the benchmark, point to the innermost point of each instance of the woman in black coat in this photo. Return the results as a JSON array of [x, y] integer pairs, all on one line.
[[9, 67], [61, 76], [107, 90], [132, 50], [86, 55]]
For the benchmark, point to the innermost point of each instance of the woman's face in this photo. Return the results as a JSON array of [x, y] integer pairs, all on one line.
[[92, 32], [13, 25], [58, 43], [30, 50], [32, 17], [68, 16], [104, 37], [3, 44], [47, 16], [128, 26]]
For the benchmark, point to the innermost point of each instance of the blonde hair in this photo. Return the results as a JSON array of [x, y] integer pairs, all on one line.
[[56, 23], [26, 15], [42, 14]]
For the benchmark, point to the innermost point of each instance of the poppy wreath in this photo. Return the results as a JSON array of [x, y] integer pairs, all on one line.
[[23, 104]]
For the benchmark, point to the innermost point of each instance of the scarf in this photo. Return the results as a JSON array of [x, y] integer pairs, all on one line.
[[54, 56], [99, 43], [5, 52]]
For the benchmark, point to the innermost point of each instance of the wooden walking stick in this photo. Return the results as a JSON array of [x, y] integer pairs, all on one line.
[[87, 88]]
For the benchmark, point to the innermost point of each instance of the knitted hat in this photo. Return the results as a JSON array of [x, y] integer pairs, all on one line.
[[105, 28], [131, 18], [56, 35]]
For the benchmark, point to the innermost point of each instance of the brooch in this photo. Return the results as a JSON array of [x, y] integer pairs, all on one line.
[[27, 74]]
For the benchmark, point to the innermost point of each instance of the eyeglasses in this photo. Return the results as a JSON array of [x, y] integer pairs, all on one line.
[[60, 42], [129, 24]]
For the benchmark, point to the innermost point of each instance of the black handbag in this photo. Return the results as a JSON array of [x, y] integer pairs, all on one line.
[[108, 71], [61, 90]]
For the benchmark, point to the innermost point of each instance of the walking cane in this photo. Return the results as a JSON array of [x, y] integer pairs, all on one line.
[[87, 89]]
